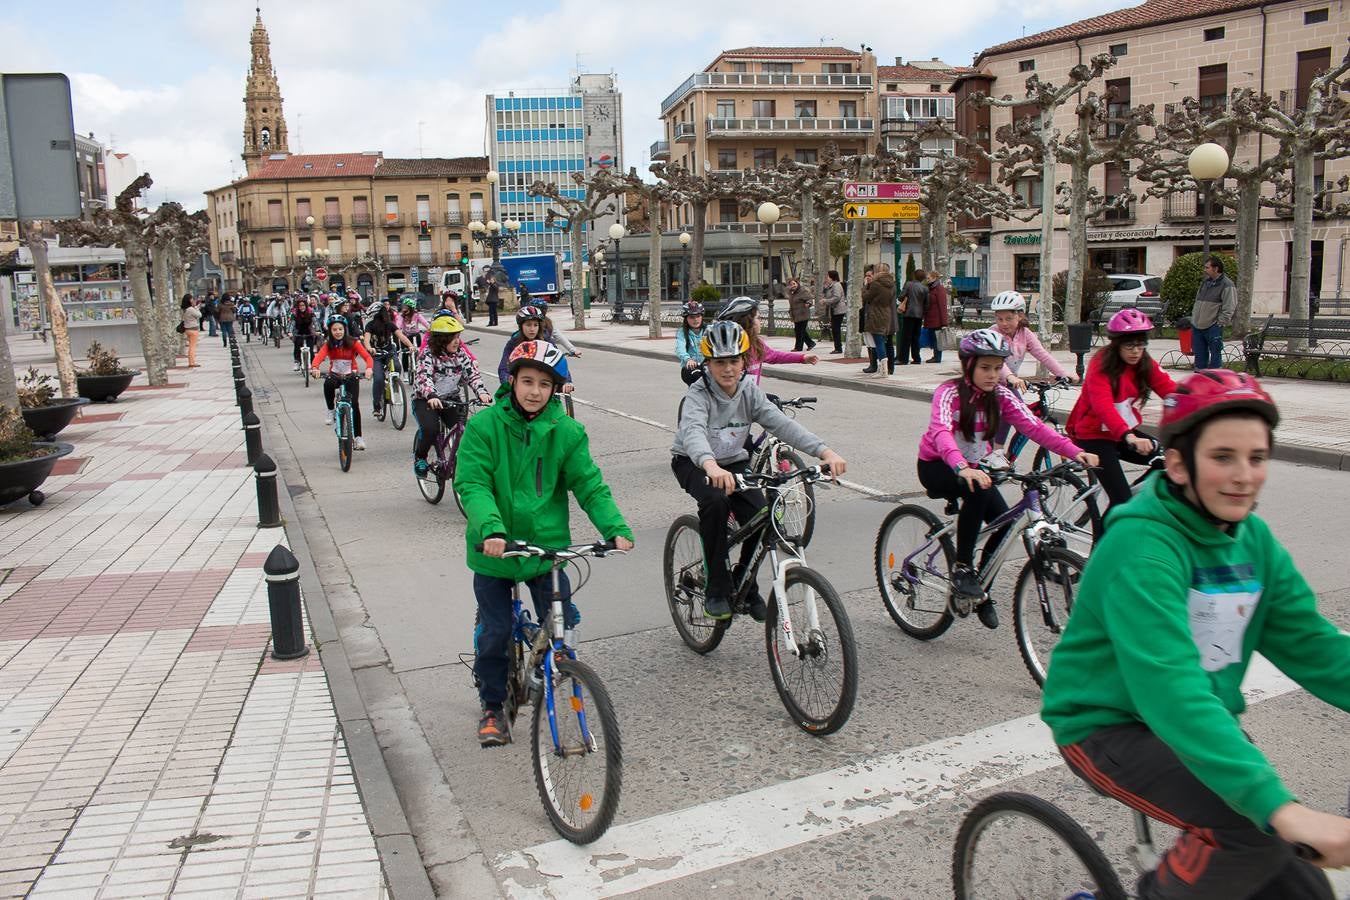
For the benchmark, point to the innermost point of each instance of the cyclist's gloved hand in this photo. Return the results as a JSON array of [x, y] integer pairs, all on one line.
[[494, 546]]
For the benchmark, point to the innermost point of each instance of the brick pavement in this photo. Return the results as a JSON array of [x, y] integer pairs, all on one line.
[[148, 743]]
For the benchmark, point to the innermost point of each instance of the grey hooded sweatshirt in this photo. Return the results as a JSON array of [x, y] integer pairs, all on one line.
[[715, 426]]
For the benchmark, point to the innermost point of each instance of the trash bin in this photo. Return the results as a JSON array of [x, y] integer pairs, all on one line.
[[1186, 335]]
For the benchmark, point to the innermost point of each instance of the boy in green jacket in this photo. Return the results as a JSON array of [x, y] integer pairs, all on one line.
[[516, 462], [1144, 689]]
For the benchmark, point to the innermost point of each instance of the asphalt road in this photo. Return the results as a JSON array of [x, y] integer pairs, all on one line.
[[721, 790]]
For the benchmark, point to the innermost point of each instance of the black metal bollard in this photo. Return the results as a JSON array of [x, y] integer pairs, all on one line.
[[1080, 342], [238, 383], [252, 438], [269, 510], [244, 397], [282, 571], [238, 372]]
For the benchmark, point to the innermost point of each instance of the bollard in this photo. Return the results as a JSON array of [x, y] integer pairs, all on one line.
[[244, 397], [238, 372], [269, 510], [282, 571], [238, 383], [252, 438]]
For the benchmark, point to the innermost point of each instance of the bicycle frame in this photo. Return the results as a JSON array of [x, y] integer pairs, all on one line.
[[547, 644]]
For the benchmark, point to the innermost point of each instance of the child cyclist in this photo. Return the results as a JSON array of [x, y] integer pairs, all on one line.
[[689, 341], [709, 450], [517, 461], [303, 330], [1106, 418], [530, 321], [442, 371], [342, 350], [966, 414], [744, 311], [1144, 689], [1010, 319]]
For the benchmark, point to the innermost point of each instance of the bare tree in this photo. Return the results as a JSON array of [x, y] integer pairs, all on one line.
[[56, 313], [571, 214], [658, 197], [698, 191]]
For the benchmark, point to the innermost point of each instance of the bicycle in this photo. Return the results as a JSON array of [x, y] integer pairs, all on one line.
[[541, 664], [342, 418], [246, 326], [446, 446], [395, 404], [810, 658], [915, 552], [768, 454], [306, 355], [1078, 510]]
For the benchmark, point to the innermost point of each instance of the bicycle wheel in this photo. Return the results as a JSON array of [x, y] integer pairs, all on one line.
[[1068, 501], [453, 452], [304, 364], [398, 403], [796, 512], [1053, 575], [276, 337], [569, 407], [432, 484], [345, 439], [819, 682], [913, 571], [1015, 845], [685, 579], [581, 775]]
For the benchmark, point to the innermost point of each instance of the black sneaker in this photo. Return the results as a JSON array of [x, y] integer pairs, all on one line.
[[965, 582], [492, 729], [717, 607], [759, 610], [987, 614]]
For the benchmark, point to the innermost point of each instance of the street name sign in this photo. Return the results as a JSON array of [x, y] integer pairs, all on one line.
[[881, 210], [881, 190]]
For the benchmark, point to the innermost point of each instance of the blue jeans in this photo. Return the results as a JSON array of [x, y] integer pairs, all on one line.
[[226, 332], [492, 634], [1208, 346], [211, 322]]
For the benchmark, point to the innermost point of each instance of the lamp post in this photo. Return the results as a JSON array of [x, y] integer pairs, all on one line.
[[494, 235], [1206, 163], [598, 266], [685, 238], [616, 233], [492, 179], [768, 214]]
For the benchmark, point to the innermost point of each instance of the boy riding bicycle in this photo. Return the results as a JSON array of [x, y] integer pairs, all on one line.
[[517, 461], [1144, 689], [715, 419]]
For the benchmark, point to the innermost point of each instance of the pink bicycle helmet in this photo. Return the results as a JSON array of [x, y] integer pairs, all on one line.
[[1129, 321]]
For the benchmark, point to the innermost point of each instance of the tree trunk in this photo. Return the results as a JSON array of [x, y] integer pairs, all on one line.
[[1045, 304], [574, 228], [806, 269], [856, 255], [1078, 196], [698, 224], [161, 287], [175, 344], [1300, 270], [655, 279], [925, 240], [822, 240], [42, 271], [942, 255], [1246, 247], [145, 312]]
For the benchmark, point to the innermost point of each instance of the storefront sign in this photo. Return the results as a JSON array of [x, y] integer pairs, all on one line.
[[1022, 238], [1123, 234]]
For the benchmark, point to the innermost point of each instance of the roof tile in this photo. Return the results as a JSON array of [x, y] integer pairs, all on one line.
[[317, 165], [431, 166], [778, 52], [914, 73]]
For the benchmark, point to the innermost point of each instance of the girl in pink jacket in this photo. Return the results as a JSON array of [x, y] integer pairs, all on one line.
[[744, 311]]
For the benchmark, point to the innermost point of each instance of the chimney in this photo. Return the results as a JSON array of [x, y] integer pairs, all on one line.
[[899, 60]]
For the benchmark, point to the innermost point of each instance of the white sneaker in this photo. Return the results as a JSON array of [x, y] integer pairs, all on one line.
[[359, 443], [295, 367], [328, 418]]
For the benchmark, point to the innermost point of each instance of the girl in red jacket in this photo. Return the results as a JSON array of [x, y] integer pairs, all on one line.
[[341, 350], [1120, 379]]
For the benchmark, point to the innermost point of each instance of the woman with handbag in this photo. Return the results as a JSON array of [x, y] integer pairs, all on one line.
[[935, 315], [835, 307], [799, 308], [190, 327]]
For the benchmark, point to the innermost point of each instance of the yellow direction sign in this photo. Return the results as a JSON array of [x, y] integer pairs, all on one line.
[[881, 210]]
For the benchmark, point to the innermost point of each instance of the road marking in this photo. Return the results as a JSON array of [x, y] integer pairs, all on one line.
[[686, 842]]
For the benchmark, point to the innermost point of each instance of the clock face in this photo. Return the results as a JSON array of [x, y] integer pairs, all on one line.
[[602, 111]]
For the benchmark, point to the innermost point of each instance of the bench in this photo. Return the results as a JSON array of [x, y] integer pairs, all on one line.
[[975, 309], [1314, 342]]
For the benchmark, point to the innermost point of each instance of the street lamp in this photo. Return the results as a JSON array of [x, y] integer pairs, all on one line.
[[768, 214], [495, 235], [685, 238], [1206, 163], [616, 233]]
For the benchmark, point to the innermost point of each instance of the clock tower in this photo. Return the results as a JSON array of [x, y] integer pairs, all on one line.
[[264, 124]]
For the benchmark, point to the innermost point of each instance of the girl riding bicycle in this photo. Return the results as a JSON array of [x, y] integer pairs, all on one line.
[[1120, 379], [1145, 687], [688, 340], [744, 311], [442, 371], [302, 329], [411, 321], [1010, 319], [382, 337], [342, 350], [966, 414]]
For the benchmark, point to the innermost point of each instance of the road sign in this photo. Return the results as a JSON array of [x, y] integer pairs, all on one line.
[[881, 190], [321, 273], [38, 178], [881, 210]]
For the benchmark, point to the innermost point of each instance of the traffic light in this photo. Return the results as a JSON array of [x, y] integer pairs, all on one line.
[[464, 257], [425, 227]]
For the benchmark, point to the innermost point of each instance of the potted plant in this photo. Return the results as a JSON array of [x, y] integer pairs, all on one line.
[[106, 377], [44, 412], [25, 462]]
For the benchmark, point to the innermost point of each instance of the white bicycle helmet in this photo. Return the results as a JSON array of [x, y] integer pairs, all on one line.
[[737, 308], [1009, 301]]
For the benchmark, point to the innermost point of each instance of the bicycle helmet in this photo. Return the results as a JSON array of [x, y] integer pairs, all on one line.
[[1206, 393], [724, 340], [691, 308], [540, 302], [446, 325], [441, 314], [737, 308], [410, 302], [528, 313], [1129, 321], [337, 320], [1009, 301], [984, 342], [540, 355]]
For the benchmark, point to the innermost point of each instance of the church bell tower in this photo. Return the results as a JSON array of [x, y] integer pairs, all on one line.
[[264, 124]]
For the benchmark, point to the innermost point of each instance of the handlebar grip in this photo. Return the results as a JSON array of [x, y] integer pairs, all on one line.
[[806, 400], [1304, 851]]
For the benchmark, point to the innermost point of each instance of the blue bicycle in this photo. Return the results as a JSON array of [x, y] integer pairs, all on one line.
[[578, 755], [342, 419]]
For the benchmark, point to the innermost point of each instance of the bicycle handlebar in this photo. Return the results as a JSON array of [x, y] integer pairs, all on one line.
[[1002, 476], [576, 551], [746, 480], [795, 403]]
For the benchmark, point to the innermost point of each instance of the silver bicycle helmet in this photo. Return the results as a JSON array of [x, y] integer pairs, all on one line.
[[737, 308], [1009, 301], [724, 340]]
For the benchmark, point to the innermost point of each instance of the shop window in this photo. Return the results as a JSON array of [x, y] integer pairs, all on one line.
[[1027, 272]]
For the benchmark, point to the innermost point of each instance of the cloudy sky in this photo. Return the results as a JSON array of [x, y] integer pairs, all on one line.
[[164, 81]]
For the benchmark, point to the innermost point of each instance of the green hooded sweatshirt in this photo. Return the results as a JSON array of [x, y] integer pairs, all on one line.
[[1168, 614], [513, 476]]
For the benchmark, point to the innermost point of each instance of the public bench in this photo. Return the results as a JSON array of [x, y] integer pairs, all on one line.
[[1313, 342]]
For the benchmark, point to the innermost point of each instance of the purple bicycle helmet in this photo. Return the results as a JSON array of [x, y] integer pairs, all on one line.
[[1129, 321], [984, 342]]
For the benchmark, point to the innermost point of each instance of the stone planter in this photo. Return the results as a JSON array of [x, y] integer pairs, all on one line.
[[23, 478], [47, 421], [104, 387]]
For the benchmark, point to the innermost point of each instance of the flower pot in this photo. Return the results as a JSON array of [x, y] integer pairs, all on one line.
[[24, 477], [104, 387], [47, 421]]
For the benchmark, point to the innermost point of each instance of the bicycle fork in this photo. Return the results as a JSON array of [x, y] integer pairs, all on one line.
[[560, 642], [786, 633]]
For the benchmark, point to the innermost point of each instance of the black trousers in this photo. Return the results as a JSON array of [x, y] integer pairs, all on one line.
[[837, 331], [1220, 854], [908, 350], [979, 506], [299, 339], [492, 310], [713, 507], [353, 394], [1114, 482], [429, 422], [803, 339]]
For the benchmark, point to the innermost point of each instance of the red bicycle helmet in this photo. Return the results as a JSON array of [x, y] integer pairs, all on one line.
[[1129, 321], [1207, 393]]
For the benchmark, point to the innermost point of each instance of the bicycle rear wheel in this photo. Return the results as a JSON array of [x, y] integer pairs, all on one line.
[[345, 439], [1054, 576], [913, 571], [685, 582], [819, 683], [452, 466], [1015, 845], [581, 775], [398, 403], [796, 513]]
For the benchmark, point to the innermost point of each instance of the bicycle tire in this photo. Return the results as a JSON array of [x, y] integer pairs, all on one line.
[[398, 414], [452, 448], [1058, 572], [818, 654], [432, 484], [276, 337], [685, 579], [588, 694], [1101, 881], [345, 441], [799, 498], [306, 368], [901, 596]]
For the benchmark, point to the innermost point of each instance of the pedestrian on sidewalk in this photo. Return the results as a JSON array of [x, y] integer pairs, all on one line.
[[209, 312], [486, 285], [878, 298], [835, 306], [1215, 304], [912, 308], [799, 309], [225, 313], [192, 326], [935, 314]]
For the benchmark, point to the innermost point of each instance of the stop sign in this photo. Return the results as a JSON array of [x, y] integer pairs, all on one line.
[[321, 273]]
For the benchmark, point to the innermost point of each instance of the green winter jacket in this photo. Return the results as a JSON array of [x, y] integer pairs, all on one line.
[[1168, 614], [513, 477]]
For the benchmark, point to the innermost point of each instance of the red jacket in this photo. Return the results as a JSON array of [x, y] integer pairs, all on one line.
[[1096, 416], [343, 358], [935, 313]]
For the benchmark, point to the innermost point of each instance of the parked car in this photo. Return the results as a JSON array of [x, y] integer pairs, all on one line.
[[1143, 292]]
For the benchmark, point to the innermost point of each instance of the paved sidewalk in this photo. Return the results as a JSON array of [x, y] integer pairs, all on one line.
[[1315, 428], [149, 744]]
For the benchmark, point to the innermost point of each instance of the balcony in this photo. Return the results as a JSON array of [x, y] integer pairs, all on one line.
[[660, 150], [455, 217], [1118, 215], [245, 225], [780, 229], [393, 220], [684, 131], [789, 127], [1189, 206], [362, 220], [226, 256], [302, 222], [332, 220], [814, 81]]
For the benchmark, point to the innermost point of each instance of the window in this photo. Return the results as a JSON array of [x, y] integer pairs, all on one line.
[[1314, 16], [765, 158], [848, 109], [726, 158], [892, 87], [805, 156], [935, 89], [391, 248], [334, 249], [762, 109], [1214, 34], [738, 67], [726, 109], [1117, 106], [727, 211], [302, 210], [476, 207], [1311, 63], [847, 68], [423, 208], [778, 68], [1026, 65], [1027, 272], [274, 213], [306, 247], [1026, 111], [1029, 189], [804, 109], [278, 253], [909, 108], [1119, 50], [391, 208], [1213, 92], [1117, 183], [424, 251]]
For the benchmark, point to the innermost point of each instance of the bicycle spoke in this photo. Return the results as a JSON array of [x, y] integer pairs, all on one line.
[[578, 776]]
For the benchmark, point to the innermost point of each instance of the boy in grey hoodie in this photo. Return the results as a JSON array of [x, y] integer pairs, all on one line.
[[710, 448]]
